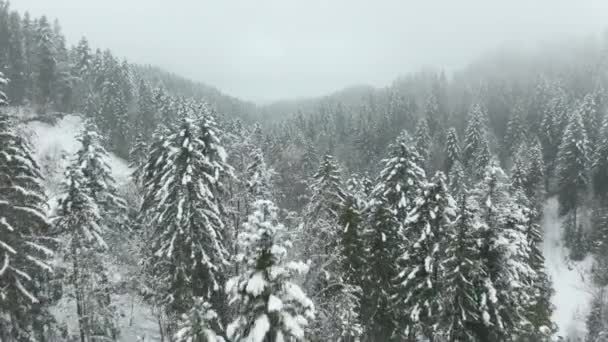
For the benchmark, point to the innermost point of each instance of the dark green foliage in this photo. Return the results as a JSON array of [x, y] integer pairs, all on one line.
[[24, 243]]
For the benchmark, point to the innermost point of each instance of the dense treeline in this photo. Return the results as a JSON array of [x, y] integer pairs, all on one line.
[[409, 213], [50, 76]]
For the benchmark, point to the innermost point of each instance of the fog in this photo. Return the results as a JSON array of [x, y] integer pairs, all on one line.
[[267, 50]]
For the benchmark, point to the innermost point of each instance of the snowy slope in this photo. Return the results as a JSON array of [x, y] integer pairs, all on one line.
[[54, 147], [572, 291]]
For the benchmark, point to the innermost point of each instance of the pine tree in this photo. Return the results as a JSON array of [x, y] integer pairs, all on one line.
[[326, 189], [535, 175], [79, 221], [591, 114], [432, 115], [46, 63], [91, 161], [401, 178], [539, 309], [516, 131], [518, 174], [452, 149], [351, 221], [423, 140], [259, 177], [24, 244], [573, 181], [552, 128], [420, 287], [198, 324], [464, 276], [16, 60], [597, 319], [335, 299], [475, 140], [505, 252], [599, 167], [183, 184], [457, 179], [271, 307], [383, 246]]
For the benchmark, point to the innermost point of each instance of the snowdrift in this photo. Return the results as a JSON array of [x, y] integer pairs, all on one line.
[[570, 279]]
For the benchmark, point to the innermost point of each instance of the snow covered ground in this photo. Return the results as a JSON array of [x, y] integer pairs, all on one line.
[[572, 291], [54, 147]]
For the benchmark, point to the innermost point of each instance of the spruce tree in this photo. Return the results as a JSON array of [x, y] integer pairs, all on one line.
[[80, 222], [399, 183], [464, 275], [423, 140], [573, 181], [452, 149], [335, 299], [552, 128], [457, 180], [24, 238], [198, 324], [599, 166], [183, 185], [46, 63], [505, 253], [516, 132], [419, 292], [535, 175], [475, 140], [270, 306]]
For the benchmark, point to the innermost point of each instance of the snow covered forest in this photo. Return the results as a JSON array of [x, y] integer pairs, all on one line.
[[137, 205]]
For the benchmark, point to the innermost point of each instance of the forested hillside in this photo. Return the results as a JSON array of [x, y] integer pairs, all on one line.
[[407, 213]]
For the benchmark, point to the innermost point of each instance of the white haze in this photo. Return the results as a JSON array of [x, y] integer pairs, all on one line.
[[266, 50]]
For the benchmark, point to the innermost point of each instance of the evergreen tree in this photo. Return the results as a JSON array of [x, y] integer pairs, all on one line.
[[16, 60], [383, 246], [271, 307], [552, 128], [573, 181], [516, 131], [457, 179], [505, 253], [597, 319], [183, 184], [91, 159], [452, 149], [591, 114], [46, 63], [24, 244], [464, 276], [79, 221], [535, 175], [335, 299], [197, 325], [420, 286], [599, 167], [475, 140], [423, 140]]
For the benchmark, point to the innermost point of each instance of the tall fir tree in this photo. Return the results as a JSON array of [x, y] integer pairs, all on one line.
[[423, 140], [25, 264], [464, 275], [183, 185], [475, 139], [452, 149], [573, 182], [419, 290], [270, 306]]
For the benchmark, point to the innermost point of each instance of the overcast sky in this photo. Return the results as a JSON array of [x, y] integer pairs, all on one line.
[[265, 50]]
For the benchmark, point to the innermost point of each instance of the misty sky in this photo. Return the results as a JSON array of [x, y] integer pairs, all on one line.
[[265, 50]]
